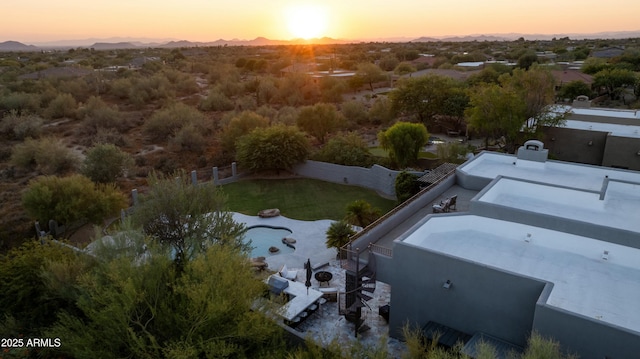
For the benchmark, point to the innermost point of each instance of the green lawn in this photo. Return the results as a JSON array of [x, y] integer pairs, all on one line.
[[379, 152], [304, 199]]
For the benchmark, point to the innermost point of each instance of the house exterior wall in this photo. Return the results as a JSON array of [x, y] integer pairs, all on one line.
[[481, 299], [622, 152], [572, 145], [586, 337]]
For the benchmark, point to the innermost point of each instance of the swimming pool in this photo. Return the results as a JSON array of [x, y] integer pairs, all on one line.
[[263, 237]]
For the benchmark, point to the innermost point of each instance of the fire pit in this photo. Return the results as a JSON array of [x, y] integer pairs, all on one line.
[[323, 277]]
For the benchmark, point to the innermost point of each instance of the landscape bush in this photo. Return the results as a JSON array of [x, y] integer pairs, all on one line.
[[72, 199], [47, 155], [346, 149], [275, 148]]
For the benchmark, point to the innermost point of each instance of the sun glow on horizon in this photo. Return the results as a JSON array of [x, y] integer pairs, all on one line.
[[306, 21]]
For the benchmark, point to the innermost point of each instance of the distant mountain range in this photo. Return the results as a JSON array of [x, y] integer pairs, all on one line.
[[132, 43]]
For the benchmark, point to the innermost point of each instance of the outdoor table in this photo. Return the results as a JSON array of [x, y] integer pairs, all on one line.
[[300, 300]]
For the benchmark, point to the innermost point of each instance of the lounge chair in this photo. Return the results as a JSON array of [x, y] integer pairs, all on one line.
[[288, 274], [446, 205]]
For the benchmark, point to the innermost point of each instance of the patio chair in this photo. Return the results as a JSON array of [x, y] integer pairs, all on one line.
[[288, 274], [452, 202]]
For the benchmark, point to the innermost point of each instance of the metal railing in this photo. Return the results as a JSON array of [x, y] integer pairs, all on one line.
[[381, 250], [394, 211]]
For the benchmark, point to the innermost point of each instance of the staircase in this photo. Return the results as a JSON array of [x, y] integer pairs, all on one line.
[[360, 283]]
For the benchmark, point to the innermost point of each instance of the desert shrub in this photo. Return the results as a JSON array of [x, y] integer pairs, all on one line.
[[120, 88], [97, 114], [380, 111], [20, 102], [246, 102], [189, 138], [104, 163], [167, 121], [267, 112], [78, 88], [64, 105], [145, 90], [107, 135], [47, 155], [183, 83], [19, 127], [216, 101], [355, 112], [287, 115], [71, 199]]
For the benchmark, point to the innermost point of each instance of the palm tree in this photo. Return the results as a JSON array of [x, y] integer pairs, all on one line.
[[361, 213], [338, 234]]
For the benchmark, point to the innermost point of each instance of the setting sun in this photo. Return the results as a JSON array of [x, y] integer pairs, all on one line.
[[306, 21]]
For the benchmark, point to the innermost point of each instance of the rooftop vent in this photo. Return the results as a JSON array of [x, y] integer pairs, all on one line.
[[605, 255]]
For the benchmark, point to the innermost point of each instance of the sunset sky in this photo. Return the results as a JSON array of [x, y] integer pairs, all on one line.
[[32, 21]]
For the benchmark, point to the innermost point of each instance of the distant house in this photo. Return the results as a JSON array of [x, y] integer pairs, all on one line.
[[563, 77], [608, 53], [424, 61]]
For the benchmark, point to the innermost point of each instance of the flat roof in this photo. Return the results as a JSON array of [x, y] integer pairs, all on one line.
[[492, 164], [618, 209], [584, 282], [613, 128], [601, 112]]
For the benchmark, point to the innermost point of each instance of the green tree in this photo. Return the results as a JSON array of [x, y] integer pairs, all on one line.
[[422, 97], [346, 149], [615, 82], [388, 62], [573, 89], [72, 199], [239, 126], [368, 73], [495, 111], [404, 68], [104, 163], [320, 120], [361, 213], [149, 309], [406, 186], [275, 148], [39, 280], [186, 217], [338, 234], [527, 59], [403, 142]]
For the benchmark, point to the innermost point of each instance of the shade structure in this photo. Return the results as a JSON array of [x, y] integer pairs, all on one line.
[[309, 273]]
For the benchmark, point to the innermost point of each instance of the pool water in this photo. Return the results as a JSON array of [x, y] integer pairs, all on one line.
[[263, 237]]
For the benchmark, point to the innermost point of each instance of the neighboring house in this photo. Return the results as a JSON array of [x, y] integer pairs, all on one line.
[[545, 246], [563, 77], [608, 53], [597, 136]]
